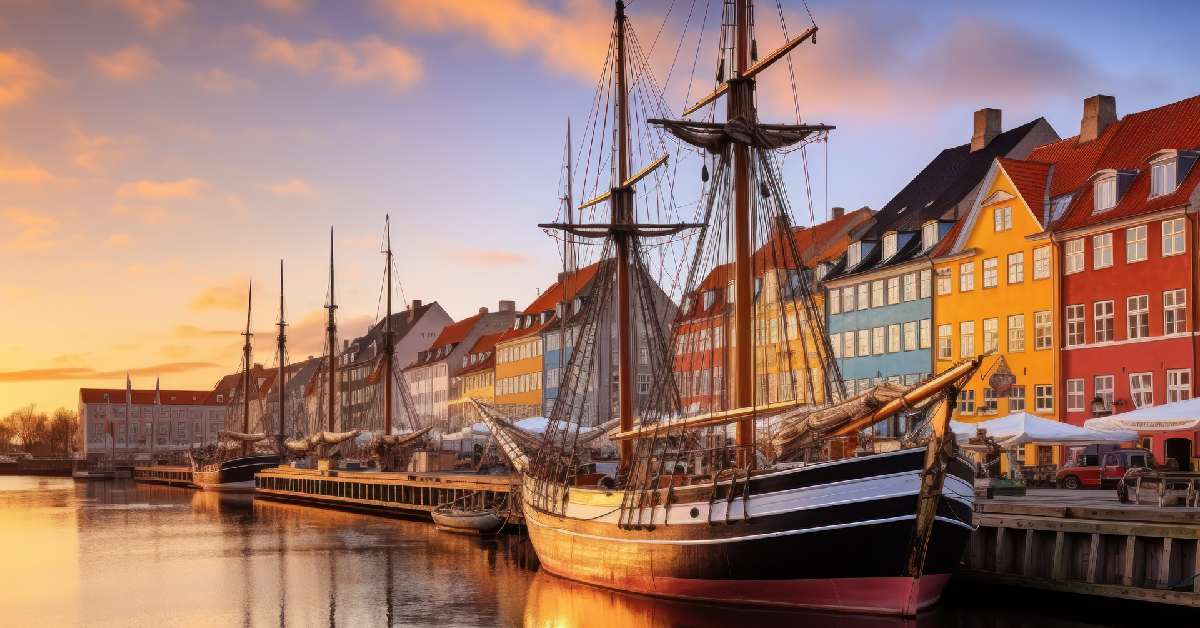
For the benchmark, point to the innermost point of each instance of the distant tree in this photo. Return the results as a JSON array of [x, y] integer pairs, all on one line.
[[64, 424], [6, 435], [31, 427]]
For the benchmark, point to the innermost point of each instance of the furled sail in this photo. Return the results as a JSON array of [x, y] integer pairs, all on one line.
[[240, 436], [300, 446]]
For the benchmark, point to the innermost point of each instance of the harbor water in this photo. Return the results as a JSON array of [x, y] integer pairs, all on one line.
[[122, 554]]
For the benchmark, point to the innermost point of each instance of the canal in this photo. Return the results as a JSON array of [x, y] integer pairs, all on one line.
[[122, 554]]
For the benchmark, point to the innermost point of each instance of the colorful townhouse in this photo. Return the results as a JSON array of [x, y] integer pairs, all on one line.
[[476, 380], [572, 289], [880, 301], [1126, 196], [519, 366], [784, 343]]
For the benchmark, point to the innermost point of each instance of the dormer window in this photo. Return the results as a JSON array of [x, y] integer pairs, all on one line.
[[929, 235], [1162, 177], [1105, 192], [889, 244], [853, 254]]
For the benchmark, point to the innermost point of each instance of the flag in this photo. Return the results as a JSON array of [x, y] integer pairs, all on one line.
[[157, 393], [128, 389]]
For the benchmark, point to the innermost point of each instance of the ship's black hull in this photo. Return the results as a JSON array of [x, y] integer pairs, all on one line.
[[235, 474]]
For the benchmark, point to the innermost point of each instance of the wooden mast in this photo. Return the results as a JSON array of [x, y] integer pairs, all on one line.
[[388, 348], [740, 105], [331, 338], [246, 371], [281, 379], [622, 213], [568, 266]]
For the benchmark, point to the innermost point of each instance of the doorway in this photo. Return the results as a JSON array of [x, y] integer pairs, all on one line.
[[1179, 450]]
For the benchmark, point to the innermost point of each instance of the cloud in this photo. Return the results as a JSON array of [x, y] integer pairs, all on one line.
[[307, 335], [153, 14], [147, 215], [573, 40], [219, 81], [21, 75], [367, 60], [292, 187], [192, 331], [118, 241], [83, 372], [289, 7], [490, 257], [15, 169], [229, 294], [161, 190], [129, 64], [99, 153], [29, 231], [177, 351]]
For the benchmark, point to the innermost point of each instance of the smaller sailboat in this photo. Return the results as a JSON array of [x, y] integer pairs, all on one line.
[[231, 466]]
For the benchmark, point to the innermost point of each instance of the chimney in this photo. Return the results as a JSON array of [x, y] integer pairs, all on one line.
[[345, 345], [508, 306], [838, 212], [987, 127], [1099, 111], [483, 310], [412, 309]]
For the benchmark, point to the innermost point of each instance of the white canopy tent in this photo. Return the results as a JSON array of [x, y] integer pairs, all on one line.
[[1021, 428], [1180, 416]]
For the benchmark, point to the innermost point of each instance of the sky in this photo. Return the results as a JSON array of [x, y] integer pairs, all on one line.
[[158, 155]]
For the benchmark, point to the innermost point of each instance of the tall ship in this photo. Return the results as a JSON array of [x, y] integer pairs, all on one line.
[[777, 495]]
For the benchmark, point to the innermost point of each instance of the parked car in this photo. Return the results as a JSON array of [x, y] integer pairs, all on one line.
[[1102, 469]]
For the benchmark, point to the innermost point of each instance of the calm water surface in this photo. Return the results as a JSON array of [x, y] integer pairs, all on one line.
[[122, 554]]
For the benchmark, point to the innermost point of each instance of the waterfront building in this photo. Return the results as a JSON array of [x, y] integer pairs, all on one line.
[[701, 328], [880, 300], [178, 419], [428, 376], [297, 418], [476, 380], [1125, 196]]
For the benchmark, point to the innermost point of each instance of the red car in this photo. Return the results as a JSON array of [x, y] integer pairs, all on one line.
[[1102, 470]]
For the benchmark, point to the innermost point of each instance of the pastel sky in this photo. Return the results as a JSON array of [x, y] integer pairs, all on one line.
[[155, 155]]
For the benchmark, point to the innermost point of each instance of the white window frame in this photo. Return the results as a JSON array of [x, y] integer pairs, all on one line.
[[1075, 396], [848, 342], [991, 401], [1016, 267], [1163, 179], [1016, 333], [966, 276], [1073, 256], [1041, 262], [966, 339], [1002, 219], [926, 282], [966, 402], [864, 342], [1103, 321], [1043, 331], [1141, 389], [877, 298], [945, 341], [1043, 398], [889, 245], [1173, 240], [1104, 193], [1102, 254], [893, 338], [925, 333], [863, 296], [1174, 311], [848, 299], [1103, 387], [1135, 244], [909, 292], [1076, 323], [991, 334], [945, 281], [835, 301], [835, 344], [893, 290], [1137, 316], [853, 254], [1179, 385], [991, 272], [909, 333], [929, 235], [878, 341], [1016, 398]]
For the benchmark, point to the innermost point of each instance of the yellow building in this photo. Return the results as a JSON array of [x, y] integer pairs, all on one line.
[[995, 280], [476, 380], [519, 368]]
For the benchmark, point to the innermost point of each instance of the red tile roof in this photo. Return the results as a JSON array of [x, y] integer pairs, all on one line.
[[116, 396], [454, 332], [1030, 179], [574, 284], [486, 342]]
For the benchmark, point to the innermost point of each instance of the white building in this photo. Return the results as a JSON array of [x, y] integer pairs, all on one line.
[[179, 419]]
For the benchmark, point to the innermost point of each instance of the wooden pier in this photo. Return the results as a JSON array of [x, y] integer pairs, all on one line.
[[1086, 542], [164, 474], [405, 494]]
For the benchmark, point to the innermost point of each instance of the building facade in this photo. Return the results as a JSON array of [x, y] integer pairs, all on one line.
[[177, 420], [476, 380]]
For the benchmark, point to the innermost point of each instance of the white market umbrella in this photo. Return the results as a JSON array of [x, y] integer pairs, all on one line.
[[1021, 428], [1180, 416]]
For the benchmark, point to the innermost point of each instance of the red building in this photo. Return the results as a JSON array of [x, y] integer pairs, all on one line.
[[1123, 196]]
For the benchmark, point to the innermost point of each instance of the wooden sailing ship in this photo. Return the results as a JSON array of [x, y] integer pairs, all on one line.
[[702, 507]]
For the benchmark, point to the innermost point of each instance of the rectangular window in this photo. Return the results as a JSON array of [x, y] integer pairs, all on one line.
[[1016, 267], [926, 284], [1135, 244], [991, 334], [910, 287], [1042, 332], [1105, 194], [944, 281], [889, 245], [1172, 237], [926, 333], [877, 293], [1179, 385], [1016, 399], [835, 301], [1162, 178], [864, 342], [877, 341], [1137, 315], [1102, 316], [929, 235], [893, 290], [1104, 389], [1141, 389], [1043, 398], [966, 402], [1075, 323], [991, 272], [1073, 256], [910, 336], [1074, 395], [893, 338], [1002, 218], [966, 339], [945, 342], [1175, 311], [966, 277], [848, 299], [989, 401], [1102, 250], [1041, 262], [848, 345], [864, 296], [1016, 333]]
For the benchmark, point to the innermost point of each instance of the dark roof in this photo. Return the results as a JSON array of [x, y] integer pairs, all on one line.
[[402, 323]]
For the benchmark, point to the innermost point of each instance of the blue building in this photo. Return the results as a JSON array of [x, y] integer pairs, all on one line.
[[879, 304]]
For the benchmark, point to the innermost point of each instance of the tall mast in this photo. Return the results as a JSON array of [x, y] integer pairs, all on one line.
[[568, 266], [246, 369], [740, 105], [387, 335], [331, 338], [281, 379], [622, 213]]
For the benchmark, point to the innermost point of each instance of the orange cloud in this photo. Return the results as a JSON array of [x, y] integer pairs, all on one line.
[[129, 64], [289, 7], [29, 231], [15, 169], [307, 335], [229, 294], [118, 241], [367, 60], [219, 81], [83, 372], [573, 40], [153, 14], [159, 190], [21, 74], [147, 215], [99, 153], [292, 187], [491, 257]]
